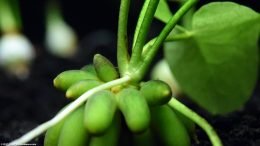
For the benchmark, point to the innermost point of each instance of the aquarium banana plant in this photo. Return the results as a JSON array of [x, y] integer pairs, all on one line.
[[105, 97]]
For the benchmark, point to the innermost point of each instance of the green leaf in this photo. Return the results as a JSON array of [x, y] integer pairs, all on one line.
[[163, 12], [217, 67]]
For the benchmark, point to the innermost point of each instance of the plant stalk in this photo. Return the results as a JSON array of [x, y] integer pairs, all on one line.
[[122, 40], [213, 136], [70, 108], [142, 28], [187, 18], [171, 38], [141, 70]]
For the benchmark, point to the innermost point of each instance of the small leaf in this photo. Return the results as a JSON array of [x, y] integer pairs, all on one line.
[[217, 67], [163, 12]]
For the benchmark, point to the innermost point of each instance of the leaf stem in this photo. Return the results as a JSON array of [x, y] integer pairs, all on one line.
[[181, 28], [144, 21], [122, 44], [171, 38], [213, 136], [70, 108], [187, 18], [140, 72], [140, 20]]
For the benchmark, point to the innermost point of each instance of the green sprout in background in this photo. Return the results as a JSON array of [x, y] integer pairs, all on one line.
[[61, 40], [213, 56], [16, 51]]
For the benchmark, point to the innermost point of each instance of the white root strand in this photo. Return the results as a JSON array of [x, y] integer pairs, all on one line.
[[70, 108]]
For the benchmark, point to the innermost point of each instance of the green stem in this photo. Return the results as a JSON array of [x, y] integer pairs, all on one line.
[[187, 19], [147, 14], [140, 20], [171, 38], [213, 136], [64, 113], [140, 72], [180, 36], [122, 44], [181, 29], [9, 16]]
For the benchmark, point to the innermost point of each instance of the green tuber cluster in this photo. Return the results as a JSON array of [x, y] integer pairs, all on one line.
[[97, 122]]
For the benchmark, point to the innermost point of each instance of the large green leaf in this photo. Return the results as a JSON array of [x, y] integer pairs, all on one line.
[[163, 12], [217, 67]]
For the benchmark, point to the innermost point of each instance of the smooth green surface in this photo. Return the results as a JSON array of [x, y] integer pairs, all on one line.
[[104, 68], [156, 92], [134, 108], [168, 127], [99, 112], [80, 87], [163, 12], [52, 135], [73, 132], [67, 78], [217, 67], [89, 69], [110, 137]]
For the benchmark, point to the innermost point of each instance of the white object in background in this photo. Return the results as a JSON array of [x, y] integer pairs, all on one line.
[[61, 40], [16, 54], [162, 71]]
